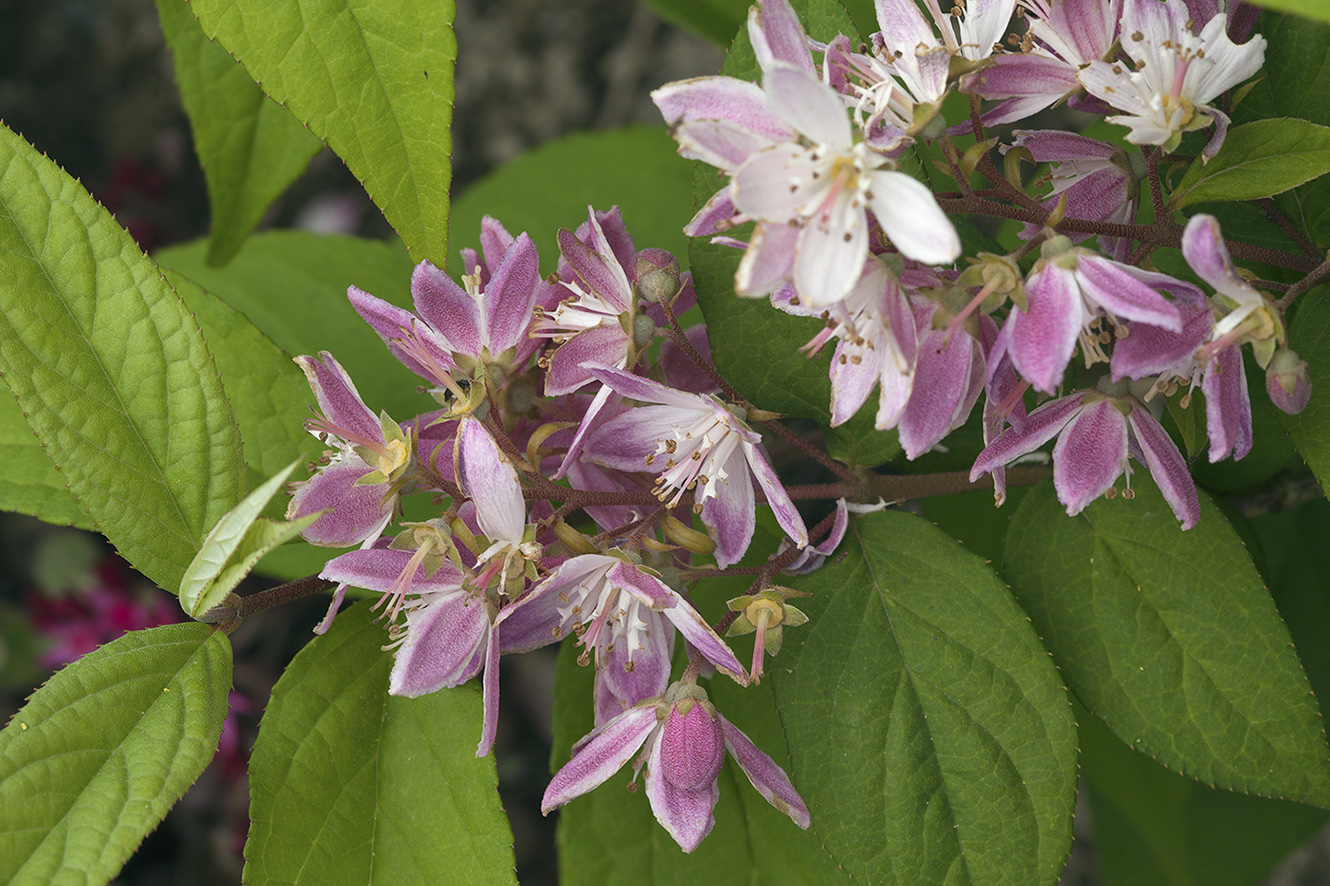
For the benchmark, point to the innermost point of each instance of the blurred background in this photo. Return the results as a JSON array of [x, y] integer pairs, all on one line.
[[90, 83]]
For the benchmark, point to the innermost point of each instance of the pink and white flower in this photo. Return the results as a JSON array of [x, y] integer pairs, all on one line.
[[1174, 74], [694, 443], [686, 739]]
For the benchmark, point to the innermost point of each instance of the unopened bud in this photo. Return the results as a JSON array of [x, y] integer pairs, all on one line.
[[644, 332], [1288, 381], [657, 275], [687, 537]]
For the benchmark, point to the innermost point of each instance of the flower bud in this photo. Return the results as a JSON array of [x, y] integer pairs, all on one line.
[[657, 275], [1288, 382], [692, 747]]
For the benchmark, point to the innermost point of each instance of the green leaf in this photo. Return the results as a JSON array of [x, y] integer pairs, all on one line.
[[292, 286], [268, 392], [250, 147], [103, 750], [351, 785], [931, 736], [373, 79], [1153, 827], [1314, 9], [636, 168], [610, 836], [111, 370], [1171, 639], [31, 484], [235, 544], [1309, 335], [1258, 160]]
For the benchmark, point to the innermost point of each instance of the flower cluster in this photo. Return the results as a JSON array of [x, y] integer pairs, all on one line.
[[592, 466]]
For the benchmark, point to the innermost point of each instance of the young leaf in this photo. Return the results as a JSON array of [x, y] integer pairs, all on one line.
[[111, 370], [610, 836], [1171, 639], [292, 286], [31, 484], [251, 148], [1258, 160], [235, 544], [373, 79], [103, 750], [351, 785], [931, 736], [1309, 335]]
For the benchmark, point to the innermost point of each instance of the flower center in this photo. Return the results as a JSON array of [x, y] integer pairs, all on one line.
[[693, 456]]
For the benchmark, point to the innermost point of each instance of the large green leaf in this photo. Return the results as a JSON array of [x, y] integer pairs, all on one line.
[[98, 754], [636, 168], [931, 736], [350, 785], [1153, 827], [111, 370], [1258, 160], [1309, 335], [373, 79], [31, 484], [292, 286], [610, 836], [1171, 639], [250, 147]]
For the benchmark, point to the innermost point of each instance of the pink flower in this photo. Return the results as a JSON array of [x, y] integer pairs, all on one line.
[[625, 616], [686, 739], [359, 479], [695, 443], [1096, 431]]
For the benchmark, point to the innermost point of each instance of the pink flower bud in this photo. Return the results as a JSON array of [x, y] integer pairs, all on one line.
[[657, 275], [1288, 382], [692, 746]]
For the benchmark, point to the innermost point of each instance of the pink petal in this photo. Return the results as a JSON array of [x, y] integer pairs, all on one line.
[[490, 695], [489, 479], [448, 308], [777, 36], [1227, 406], [445, 645], [510, 296], [378, 569], [807, 104], [777, 498], [1090, 454], [599, 273], [1044, 335], [729, 514], [604, 754], [722, 98], [1122, 294], [567, 366], [1039, 427], [339, 400], [1166, 466], [768, 261], [686, 815], [359, 512], [764, 775]]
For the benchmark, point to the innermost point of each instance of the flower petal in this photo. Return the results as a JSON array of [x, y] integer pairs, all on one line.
[[490, 694], [489, 480], [1090, 454], [688, 816], [602, 754], [909, 215], [446, 642], [1044, 335], [764, 775], [1166, 466]]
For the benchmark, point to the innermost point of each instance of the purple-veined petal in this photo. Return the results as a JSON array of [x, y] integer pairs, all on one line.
[[511, 294], [605, 232], [1044, 335], [618, 688], [624, 442], [567, 366], [729, 514], [490, 694], [600, 274], [574, 453], [378, 569], [490, 480], [1150, 350], [1166, 466], [604, 754], [777, 36], [768, 261], [445, 644], [718, 143], [1205, 251], [448, 309], [1039, 427], [777, 498], [722, 98], [764, 774], [494, 241], [717, 215], [358, 512], [687, 815], [1122, 294], [635, 387], [339, 400], [1227, 406], [906, 210], [1090, 454], [393, 324], [943, 382]]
